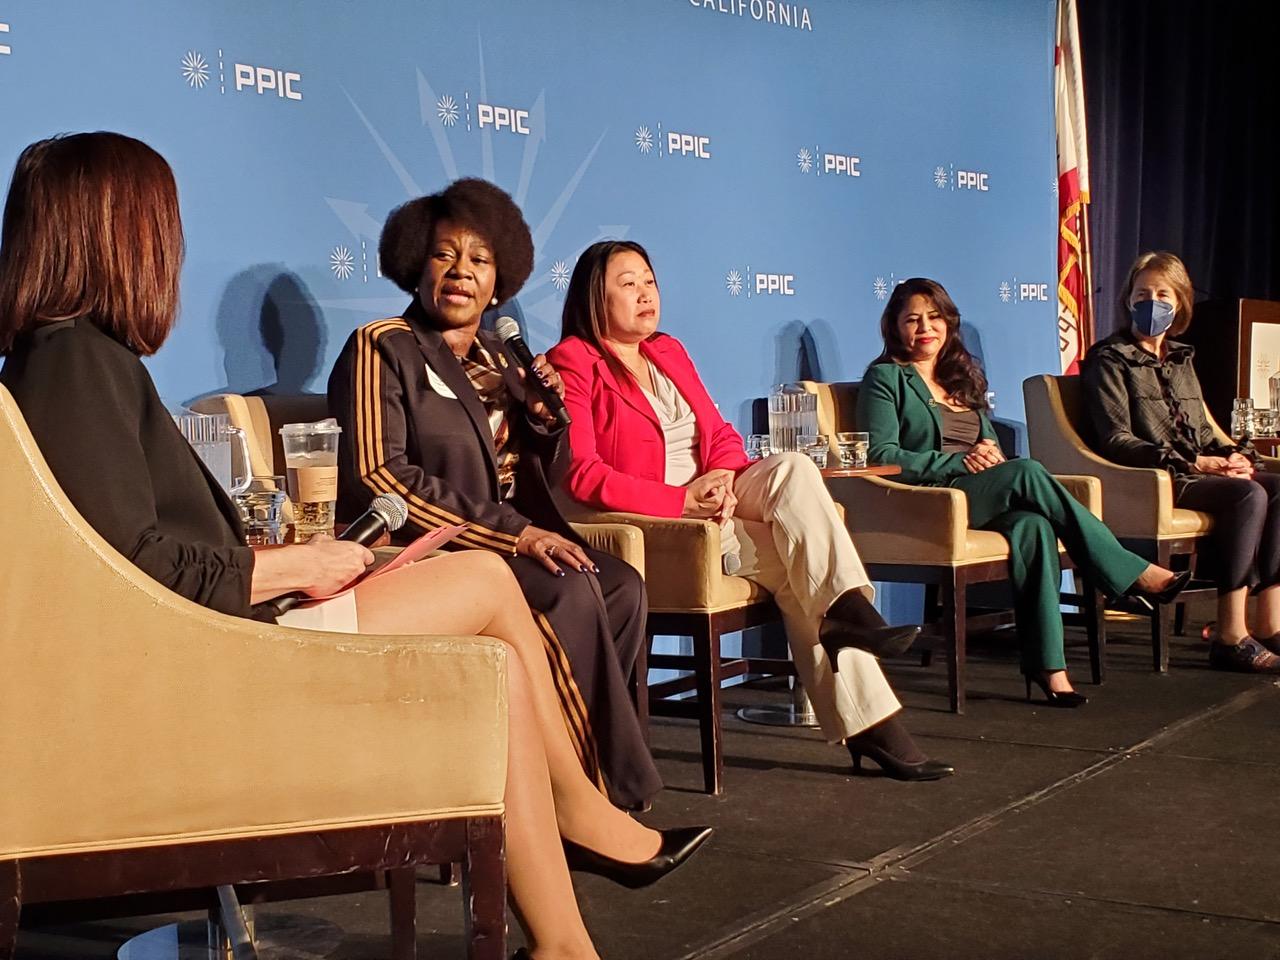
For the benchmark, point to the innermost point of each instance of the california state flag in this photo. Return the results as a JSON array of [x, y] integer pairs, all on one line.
[[1075, 314]]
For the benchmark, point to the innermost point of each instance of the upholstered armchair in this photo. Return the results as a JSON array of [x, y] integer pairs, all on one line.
[[691, 596], [915, 534], [1137, 501], [149, 744]]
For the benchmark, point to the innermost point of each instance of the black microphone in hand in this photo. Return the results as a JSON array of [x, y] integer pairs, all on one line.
[[508, 331], [387, 512]]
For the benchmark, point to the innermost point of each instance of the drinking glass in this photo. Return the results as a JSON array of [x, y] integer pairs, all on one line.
[[1242, 423], [853, 449], [758, 446], [311, 459], [261, 509], [816, 446]]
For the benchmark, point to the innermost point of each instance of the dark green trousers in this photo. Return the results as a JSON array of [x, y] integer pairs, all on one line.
[[1022, 502]]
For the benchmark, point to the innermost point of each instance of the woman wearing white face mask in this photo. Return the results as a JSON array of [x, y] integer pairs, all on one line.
[[1147, 410]]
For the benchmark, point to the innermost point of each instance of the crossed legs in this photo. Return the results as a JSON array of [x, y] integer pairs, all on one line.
[[548, 795]]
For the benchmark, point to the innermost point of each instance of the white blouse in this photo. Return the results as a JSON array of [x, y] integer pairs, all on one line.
[[680, 430]]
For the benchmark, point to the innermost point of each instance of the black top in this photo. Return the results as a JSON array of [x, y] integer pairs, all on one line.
[[413, 424], [119, 457], [1146, 411], [960, 429]]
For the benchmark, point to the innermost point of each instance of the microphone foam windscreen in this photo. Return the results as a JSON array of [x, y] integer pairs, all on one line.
[[506, 328], [391, 508]]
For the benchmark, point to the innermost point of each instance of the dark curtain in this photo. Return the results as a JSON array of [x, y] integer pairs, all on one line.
[[1183, 106]]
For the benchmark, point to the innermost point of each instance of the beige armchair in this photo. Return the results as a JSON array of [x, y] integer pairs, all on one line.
[[913, 534], [691, 596], [149, 744], [1137, 501]]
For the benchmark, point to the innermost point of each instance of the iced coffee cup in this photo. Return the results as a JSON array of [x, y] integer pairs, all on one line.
[[311, 462]]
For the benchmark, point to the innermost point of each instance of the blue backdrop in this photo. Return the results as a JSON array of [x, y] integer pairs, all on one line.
[[785, 163]]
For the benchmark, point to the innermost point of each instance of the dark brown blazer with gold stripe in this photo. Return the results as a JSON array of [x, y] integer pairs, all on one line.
[[413, 424]]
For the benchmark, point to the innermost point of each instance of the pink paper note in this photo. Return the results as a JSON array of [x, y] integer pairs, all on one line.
[[424, 545]]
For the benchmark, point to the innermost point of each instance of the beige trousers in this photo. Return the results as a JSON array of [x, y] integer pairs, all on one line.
[[794, 544]]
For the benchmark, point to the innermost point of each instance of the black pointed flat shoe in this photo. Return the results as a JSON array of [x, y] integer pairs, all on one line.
[[886, 641], [678, 845]]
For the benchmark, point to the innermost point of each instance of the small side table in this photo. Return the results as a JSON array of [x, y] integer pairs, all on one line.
[[874, 470]]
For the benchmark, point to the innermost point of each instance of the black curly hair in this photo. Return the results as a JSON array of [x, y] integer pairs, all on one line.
[[471, 202]]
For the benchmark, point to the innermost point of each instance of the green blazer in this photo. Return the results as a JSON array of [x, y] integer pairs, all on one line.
[[897, 410]]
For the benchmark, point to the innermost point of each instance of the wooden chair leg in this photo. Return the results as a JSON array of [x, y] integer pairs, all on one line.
[[931, 603], [1161, 621], [484, 890], [1180, 619], [640, 686], [1161, 625], [706, 665], [1096, 628], [10, 909], [955, 607], [402, 894], [450, 874]]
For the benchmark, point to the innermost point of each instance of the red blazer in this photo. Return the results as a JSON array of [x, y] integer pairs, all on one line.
[[618, 450]]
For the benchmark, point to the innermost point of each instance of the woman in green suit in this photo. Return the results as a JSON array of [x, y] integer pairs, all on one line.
[[923, 401]]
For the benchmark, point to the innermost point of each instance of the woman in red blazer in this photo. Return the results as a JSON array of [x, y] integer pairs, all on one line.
[[647, 438]]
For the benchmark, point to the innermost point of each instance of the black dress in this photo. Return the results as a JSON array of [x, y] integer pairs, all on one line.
[[414, 425]]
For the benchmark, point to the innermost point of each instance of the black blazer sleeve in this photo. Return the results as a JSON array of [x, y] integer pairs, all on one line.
[[371, 390], [88, 402]]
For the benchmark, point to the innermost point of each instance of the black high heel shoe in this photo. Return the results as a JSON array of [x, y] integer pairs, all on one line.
[[522, 954], [898, 769], [887, 742], [1066, 700], [853, 621], [678, 845], [886, 641], [1151, 599]]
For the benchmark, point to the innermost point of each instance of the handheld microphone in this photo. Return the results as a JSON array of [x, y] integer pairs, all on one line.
[[509, 332], [386, 512]]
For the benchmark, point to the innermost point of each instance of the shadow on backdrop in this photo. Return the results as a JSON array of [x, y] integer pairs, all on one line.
[[1010, 434], [271, 333]]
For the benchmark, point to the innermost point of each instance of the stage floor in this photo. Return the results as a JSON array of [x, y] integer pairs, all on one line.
[[1146, 824]]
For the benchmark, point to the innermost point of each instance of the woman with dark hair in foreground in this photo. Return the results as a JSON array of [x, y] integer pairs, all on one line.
[[648, 439], [89, 260], [923, 401], [438, 412], [1147, 410]]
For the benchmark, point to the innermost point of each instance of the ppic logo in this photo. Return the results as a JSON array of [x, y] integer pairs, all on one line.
[[957, 179], [500, 118], [819, 162], [756, 283], [671, 143], [883, 286], [197, 72], [1017, 291]]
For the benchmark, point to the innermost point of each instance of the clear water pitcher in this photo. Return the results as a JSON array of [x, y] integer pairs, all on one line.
[[214, 438], [793, 413]]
